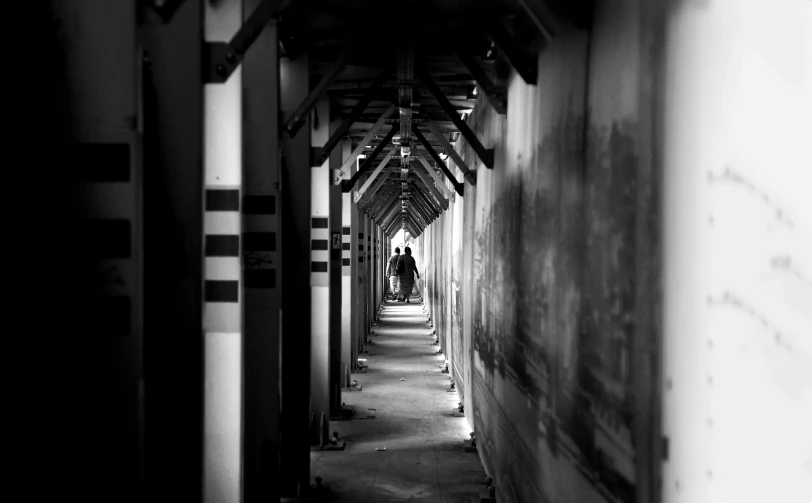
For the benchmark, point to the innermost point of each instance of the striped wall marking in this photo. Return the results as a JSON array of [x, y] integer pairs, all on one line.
[[319, 251], [222, 290], [221, 316], [222, 268], [106, 187], [258, 242], [221, 222], [346, 250], [222, 245], [221, 293], [222, 199], [259, 205]]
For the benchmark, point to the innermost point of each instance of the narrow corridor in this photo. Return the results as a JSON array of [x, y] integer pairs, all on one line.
[[602, 203], [424, 458]]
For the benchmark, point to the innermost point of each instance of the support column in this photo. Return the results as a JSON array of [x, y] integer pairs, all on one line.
[[295, 227], [320, 272], [222, 311], [356, 280], [173, 273], [374, 268], [347, 268], [369, 298], [379, 277], [336, 275], [85, 208], [260, 259]]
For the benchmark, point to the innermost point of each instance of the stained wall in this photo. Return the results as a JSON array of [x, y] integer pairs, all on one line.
[[540, 278]]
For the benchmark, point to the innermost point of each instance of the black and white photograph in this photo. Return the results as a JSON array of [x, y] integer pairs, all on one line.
[[435, 251]]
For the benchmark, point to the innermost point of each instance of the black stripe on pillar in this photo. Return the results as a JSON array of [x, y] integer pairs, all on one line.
[[97, 162], [346, 231], [104, 238], [318, 266], [318, 244], [345, 261], [112, 316], [258, 241], [360, 248], [258, 205], [360, 235], [222, 200], [222, 245], [260, 278], [320, 223], [345, 246], [360, 259], [222, 291]]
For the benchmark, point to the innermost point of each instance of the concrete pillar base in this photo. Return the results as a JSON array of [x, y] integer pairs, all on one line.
[[329, 447]]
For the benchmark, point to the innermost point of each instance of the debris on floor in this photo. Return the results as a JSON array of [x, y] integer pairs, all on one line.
[[354, 386], [470, 445], [487, 495], [343, 413]]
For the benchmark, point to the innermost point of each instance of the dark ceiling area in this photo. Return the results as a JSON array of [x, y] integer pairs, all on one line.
[[403, 77]]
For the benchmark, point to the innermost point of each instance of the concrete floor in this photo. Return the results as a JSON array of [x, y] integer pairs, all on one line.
[[424, 458]]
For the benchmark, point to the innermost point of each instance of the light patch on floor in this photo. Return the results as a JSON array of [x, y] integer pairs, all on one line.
[[424, 458]]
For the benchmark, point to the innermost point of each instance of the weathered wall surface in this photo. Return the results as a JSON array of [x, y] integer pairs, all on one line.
[[560, 241]]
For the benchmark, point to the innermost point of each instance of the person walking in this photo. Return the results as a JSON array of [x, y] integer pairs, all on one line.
[[392, 273], [407, 270]]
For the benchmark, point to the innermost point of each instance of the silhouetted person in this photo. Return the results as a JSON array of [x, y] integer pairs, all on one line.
[[392, 273], [406, 275]]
